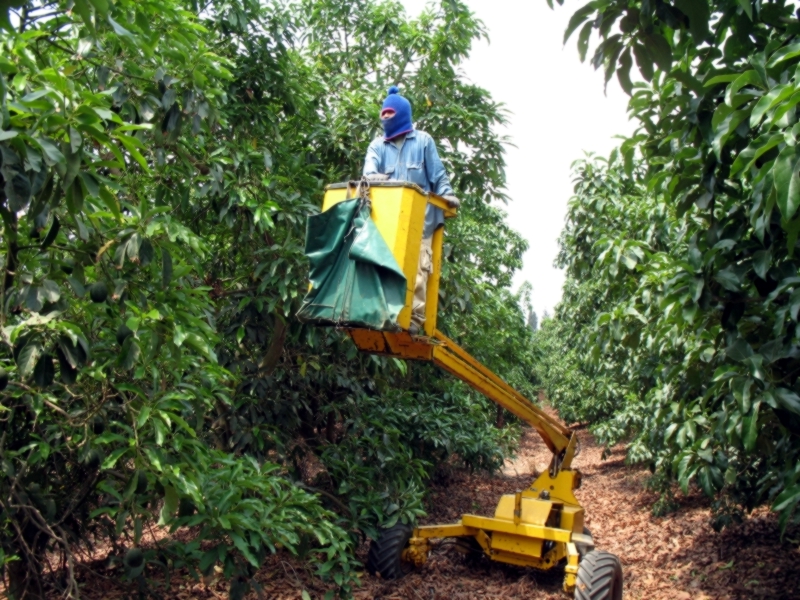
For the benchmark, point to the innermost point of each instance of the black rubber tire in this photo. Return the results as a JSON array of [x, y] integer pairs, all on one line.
[[599, 577], [385, 553], [584, 549]]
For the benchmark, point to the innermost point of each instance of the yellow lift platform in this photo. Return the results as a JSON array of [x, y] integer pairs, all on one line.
[[540, 527]]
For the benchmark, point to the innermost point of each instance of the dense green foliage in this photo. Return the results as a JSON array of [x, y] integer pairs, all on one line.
[[679, 327], [159, 160]]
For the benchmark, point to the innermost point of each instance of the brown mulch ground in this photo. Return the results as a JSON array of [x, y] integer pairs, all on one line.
[[674, 557]]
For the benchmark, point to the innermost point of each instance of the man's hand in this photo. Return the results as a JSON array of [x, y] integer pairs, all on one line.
[[452, 201], [377, 177]]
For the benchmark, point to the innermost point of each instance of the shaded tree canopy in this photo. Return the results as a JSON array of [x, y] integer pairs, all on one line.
[[159, 161], [680, 310]]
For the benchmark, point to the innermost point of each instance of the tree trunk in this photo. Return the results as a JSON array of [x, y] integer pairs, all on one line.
[[24, 581], [330, 431], [275, 349], [500, 421]]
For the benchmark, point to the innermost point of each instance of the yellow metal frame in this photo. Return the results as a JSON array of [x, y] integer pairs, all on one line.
[[529, 528], [537, 527]]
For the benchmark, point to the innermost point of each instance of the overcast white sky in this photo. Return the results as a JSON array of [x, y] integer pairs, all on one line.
[[558, 110]]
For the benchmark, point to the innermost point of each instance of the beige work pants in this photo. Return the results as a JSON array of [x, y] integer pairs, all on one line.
[[424, 269]]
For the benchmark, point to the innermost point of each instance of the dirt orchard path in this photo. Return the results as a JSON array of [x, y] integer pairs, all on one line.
[[677, 557]]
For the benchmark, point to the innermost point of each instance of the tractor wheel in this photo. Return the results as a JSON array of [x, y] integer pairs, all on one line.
[[599, 577], [386, 553]]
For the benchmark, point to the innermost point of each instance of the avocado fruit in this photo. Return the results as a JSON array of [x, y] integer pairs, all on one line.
[[123, 332], [98, 292]]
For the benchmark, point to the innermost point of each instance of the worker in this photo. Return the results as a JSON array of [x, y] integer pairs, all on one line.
[[406, 154]]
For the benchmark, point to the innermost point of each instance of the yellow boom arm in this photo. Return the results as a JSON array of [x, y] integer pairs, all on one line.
[[452, 358], [448, 355]]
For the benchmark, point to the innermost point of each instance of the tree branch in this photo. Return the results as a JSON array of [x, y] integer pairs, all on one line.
[[95, 63]]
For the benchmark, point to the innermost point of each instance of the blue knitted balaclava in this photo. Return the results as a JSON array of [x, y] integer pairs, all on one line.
[[400, 123]]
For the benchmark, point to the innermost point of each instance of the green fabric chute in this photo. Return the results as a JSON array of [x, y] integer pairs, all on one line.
[[356, 281]]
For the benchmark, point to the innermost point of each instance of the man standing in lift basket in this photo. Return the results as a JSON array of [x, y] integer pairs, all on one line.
[[406, 154]]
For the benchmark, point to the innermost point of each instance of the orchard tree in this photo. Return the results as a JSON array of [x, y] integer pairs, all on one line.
[[705, 312], [158, 163]]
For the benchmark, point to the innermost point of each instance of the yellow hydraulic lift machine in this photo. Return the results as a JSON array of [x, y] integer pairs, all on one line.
[[540, 527]]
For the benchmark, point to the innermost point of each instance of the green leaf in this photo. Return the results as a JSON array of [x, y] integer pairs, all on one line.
[[786, 174], [726, 128], [794, 304], [786, 53], [130, 353], [729, 279], [696, 288], [699, 14], [170, 505], [788, 497], [659, 49], [717, 79], [624, 72], [755, 364], [75, 140], [69, 374], [706, 480], [787, 399], [73, 353], [773, 97], [685, 471], [755, 150], [161, 431], [50, 290], [747, 6], [112, 458], [166, 268], [747, 78], [739, 350], [646, 14], [208, 560], [643, 61], [44, 372], [731, 476], [583, 42], [101, 6], [145, 252], [132, 246], [578, 17], [17, 188], [143, 416], [90, 185], [52, 155], [783, 107], [751, 428], [119, 29], [242, 546], [74, 197], [28, 357], [110, 202], [131, 145], [84, 10], [761, 262]]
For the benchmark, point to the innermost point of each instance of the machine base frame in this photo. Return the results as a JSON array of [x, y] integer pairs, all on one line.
[[539, 527]]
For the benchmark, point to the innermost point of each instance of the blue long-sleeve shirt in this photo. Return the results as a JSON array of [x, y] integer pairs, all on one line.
[[416, 161]]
